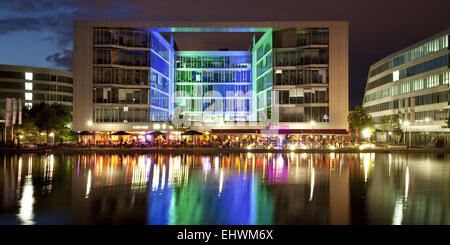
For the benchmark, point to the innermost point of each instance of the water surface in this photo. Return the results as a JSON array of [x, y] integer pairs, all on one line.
[[262, 188]]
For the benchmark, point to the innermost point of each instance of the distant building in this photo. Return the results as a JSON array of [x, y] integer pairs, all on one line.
[[413, 83], [35, 85]]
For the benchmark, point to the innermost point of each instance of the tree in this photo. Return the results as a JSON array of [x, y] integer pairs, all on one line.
[[30, 133], [359, 118], [51, 119], [396, 126], [385, 126]]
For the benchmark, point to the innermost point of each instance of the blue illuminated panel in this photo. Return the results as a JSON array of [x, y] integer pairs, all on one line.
[[161, 56]]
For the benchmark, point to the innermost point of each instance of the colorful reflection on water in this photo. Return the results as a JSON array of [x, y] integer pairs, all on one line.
[[263, 188]]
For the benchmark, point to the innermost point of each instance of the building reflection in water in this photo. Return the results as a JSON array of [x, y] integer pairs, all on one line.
[[272, 188], [26, 214]]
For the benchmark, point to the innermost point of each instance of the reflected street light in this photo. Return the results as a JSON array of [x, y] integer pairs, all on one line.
[[312, 123], [89, 123]]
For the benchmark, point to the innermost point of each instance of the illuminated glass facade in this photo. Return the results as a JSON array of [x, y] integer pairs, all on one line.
[[131, 75], [413, 84], [213, 86]]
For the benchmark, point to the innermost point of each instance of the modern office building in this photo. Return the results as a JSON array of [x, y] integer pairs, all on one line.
[[413, 83], [129, 77], [35, 85]]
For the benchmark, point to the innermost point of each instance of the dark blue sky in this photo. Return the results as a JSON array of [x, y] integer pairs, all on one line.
[[40, 32]]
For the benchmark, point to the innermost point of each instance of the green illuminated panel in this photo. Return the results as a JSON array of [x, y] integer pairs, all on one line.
[[262, 73]]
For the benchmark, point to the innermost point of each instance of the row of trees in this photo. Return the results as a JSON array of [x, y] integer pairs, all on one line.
[[43, 122], [359, 119]]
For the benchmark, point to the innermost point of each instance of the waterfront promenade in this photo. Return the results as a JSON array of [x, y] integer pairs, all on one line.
[[210, 150]]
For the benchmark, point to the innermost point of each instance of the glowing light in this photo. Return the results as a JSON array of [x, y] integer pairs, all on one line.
[[398, 213], [163, 177], [367, 162], [19, 171], [249, 147], [221, 181], [28, 76], [292, 147], [365, 146], [216, 164], [155, 180], [396, 75], [313, 176], [48, 170], [26, 214], [206, 164], [89, 123], [407, 183], [28, 86], [28, 96], [390, 162], [141, 173], [332, 147], [367, 133], [312, 122], [88, 185]]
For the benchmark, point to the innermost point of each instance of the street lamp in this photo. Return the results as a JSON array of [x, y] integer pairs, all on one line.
[[53, 136], [406, 123], [89, 123], [366, 134], [312, 123]]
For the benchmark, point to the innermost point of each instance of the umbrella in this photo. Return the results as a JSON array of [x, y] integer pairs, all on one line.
[[157, 133], [85, 133], [120, 133], [192, 132]]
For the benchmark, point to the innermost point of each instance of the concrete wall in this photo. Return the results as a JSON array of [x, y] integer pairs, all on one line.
[[82, 75]]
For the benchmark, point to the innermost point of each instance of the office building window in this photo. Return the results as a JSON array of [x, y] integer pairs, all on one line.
[[28, 76], [28, 86], [28, 96]]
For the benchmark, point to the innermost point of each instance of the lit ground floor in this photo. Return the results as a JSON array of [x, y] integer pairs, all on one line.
[[415, 139], [226, 138]]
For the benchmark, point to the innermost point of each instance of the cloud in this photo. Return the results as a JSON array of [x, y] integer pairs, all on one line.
[[62, 60], [9, 25]]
